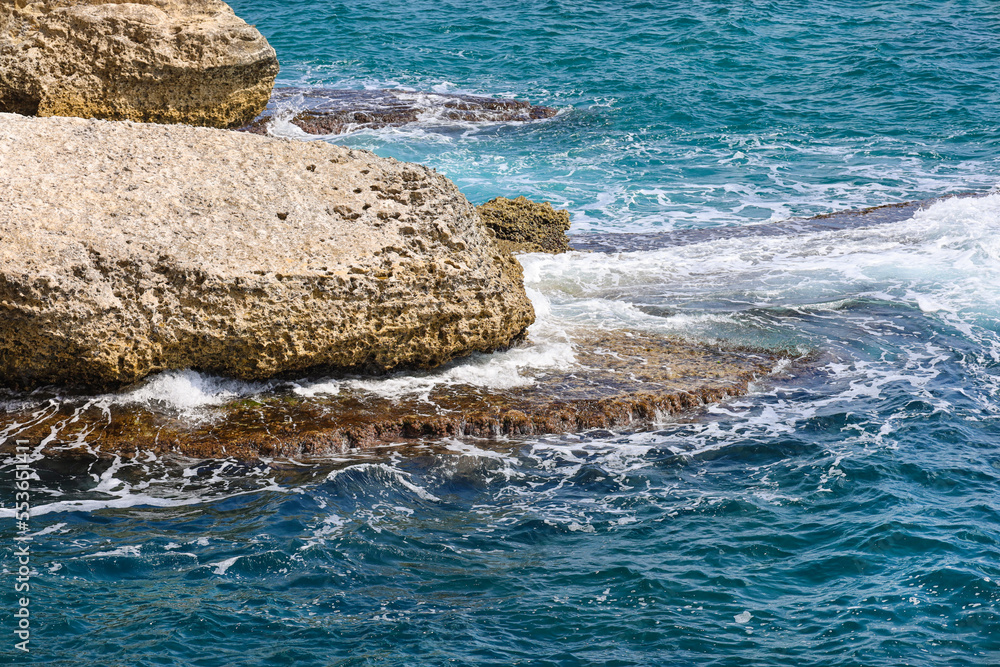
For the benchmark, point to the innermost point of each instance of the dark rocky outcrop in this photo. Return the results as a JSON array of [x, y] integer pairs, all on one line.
[[328, 111], [522, 225]]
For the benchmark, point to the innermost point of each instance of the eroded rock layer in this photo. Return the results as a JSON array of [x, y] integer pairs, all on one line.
[[127, 249], [162, 61], [617, 380]]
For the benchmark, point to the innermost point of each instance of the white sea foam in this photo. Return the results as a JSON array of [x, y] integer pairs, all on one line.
[[944, 259], [120, 502], [186, 390], [128, 484], [222, 567], [504, 370], [321, 388], [128, 551], [391, 474], [48, 530], [331, 526]]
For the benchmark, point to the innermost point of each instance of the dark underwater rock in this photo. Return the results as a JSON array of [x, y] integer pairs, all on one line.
[[325, 111]]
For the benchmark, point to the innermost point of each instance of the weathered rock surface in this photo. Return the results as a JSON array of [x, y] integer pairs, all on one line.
[[522, 225], [127, 249], [619, 380], [328, 111], [163, 61]]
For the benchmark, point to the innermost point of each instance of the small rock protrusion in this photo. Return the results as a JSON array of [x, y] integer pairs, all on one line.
[[522, 225]]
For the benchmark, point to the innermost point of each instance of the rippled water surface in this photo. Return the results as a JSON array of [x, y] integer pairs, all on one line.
[[842, 514], [676, 114]]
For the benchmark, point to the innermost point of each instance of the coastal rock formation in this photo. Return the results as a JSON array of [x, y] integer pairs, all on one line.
[[127, 249], [620, 379], [324, 111], [162, 61], [521, 225]]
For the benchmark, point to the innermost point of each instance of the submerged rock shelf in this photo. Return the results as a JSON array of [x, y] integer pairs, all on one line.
[[618, 379], [324, 111], [610, 242]]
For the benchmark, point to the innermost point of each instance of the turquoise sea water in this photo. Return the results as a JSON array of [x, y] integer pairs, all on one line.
[[692, 113], [842, 515]]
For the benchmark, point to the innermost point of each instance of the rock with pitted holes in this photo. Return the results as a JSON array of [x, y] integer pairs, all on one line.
[[522, 225], [162, 61], [127, 249]]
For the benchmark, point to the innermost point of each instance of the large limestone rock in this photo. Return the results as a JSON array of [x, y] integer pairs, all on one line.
[[163, 61], [127, 249]]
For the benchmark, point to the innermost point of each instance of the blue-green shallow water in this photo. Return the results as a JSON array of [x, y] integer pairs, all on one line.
[[845, 515]]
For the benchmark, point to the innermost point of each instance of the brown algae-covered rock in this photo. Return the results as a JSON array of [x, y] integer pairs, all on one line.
[[522, 225], [620, 379], [127, 249], [163, 61]]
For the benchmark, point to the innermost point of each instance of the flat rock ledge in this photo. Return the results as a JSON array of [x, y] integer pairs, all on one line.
[[162, 61], [619, 380], [128, 249]]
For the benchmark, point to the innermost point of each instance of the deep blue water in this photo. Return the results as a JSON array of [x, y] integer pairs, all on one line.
[[846, 514]]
